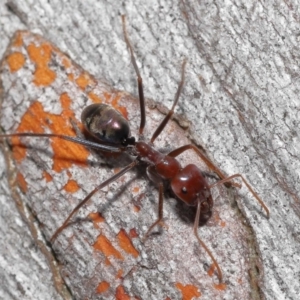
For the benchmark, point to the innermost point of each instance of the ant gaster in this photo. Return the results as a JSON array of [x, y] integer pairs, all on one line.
[[112, 131]]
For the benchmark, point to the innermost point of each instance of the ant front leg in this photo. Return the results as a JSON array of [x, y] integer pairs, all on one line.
[[228, 179], [207, 161], [153, 177], [196, 223]]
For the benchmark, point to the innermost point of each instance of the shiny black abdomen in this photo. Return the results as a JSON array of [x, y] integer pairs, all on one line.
[[106, 124]]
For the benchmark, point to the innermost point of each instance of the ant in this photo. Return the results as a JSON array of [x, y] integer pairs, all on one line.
[[111, 133]]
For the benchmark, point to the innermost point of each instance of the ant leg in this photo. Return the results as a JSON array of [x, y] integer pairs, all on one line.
[[164, 122], [197, 218], [76, 128], [207, 161], [159, 221], [157, 180], [139, 79], [249, 188], [88, 197], [76, 140]]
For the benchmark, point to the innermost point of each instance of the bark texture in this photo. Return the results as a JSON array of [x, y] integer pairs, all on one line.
[[240, 103]]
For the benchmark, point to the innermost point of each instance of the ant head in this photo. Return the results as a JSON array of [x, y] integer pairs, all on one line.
[[106, 124], [190, 186]]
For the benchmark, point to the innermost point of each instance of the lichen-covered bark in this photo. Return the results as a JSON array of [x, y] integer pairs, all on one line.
[[241, 103]]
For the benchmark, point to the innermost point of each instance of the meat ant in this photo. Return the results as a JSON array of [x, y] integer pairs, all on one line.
[[112, 134]]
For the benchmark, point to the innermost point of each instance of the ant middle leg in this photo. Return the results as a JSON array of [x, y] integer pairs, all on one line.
[[159, 221]]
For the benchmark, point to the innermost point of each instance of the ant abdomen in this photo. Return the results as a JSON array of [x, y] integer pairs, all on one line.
[[106, 124]]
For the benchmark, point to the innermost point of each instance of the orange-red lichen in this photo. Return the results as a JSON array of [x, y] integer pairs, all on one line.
[[47, 176], [211, 270], [220, 286], [119, 274], [115, 104], [96, 218], [15, 61], [66, 62], [188, 291], [71, 186], [126, 243], [136, 189], [132, 233], [41, 56], [18, 41], [136, 208], [84, 80], [223, 223], [95, 98], [121, 293], [36, 120], [105, 246], [102, 287]]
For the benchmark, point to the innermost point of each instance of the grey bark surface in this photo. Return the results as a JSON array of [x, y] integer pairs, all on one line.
[[240, 100]]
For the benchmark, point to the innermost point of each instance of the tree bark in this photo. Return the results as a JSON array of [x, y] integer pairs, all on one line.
[[240, 104]]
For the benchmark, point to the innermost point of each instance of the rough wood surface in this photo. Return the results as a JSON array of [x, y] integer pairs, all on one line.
[[241, 101]]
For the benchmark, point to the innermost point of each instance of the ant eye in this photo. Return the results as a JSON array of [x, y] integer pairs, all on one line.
[[184, 190]]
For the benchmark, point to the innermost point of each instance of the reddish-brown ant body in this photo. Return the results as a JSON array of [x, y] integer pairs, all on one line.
[[112, 132]]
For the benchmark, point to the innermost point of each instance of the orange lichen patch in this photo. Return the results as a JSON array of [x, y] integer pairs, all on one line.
[[136, 208], [223, 223], [126, 243], [47, 176], [111, 99], [211, 270], [65, 153], [121, 294], [107, 262], [84, 80], [121, 109], [18, 41], [136, 189], [220, 286], [15, 61], [95, 98], [41, 57], [71, 77], [71, 186], [119, 274], [66, 62], [96, 218], [188, 291], [22, 182], [102, 287], [104, 245], [132, 233]]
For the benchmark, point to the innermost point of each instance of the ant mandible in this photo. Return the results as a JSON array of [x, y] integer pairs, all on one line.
[[112, 131]]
